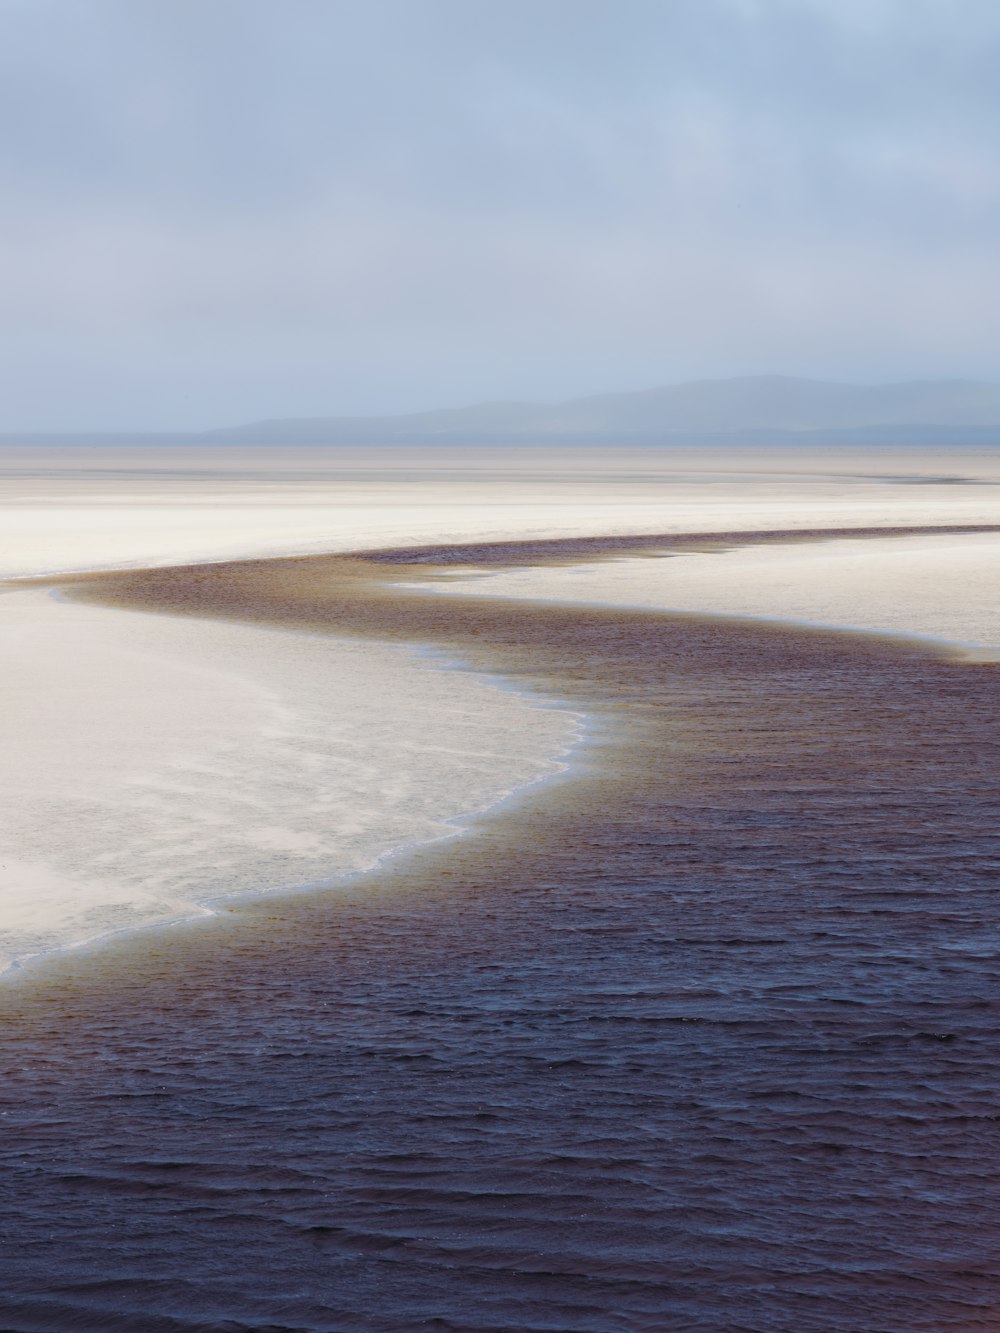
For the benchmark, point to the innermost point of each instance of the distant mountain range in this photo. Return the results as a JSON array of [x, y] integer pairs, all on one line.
[[756, 410]]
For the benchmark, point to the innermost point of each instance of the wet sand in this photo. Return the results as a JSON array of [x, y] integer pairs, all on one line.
[[942, 585], [702, 1035], [151, 765], [94, 508]]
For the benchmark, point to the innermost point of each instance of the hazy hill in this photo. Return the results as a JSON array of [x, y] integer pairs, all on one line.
[[754, 406], [755, 410]]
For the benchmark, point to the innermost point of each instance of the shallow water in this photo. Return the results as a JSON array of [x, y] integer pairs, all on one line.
[[702, 1037]]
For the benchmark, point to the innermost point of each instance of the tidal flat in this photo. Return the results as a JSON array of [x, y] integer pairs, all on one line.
[[701, 1035]]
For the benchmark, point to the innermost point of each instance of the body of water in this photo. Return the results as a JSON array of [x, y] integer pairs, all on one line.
[[704, 1035]]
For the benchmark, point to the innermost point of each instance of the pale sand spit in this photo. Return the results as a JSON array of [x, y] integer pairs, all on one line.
[[942, 587], [149, 765]]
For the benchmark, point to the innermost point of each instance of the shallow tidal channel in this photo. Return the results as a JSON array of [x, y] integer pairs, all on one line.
[[701, 1035]]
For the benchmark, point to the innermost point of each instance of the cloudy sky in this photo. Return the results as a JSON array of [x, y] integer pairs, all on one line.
[[217, 210]]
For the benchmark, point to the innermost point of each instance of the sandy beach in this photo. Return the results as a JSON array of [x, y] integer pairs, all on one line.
[[500, 667], [734, 971], [941, 587], [152, 766], [224, 759], [113, 508]]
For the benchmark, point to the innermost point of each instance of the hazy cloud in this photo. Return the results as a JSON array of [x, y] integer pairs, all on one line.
[[219, 209]]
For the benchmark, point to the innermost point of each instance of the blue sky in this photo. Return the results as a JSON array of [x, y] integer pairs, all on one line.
[[215, 210]]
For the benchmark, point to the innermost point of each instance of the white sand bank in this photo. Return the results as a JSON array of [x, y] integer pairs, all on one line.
[[148, 764], [944, 587], [87, 509]]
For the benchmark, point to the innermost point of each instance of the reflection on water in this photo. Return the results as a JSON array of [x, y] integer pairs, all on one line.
[[703, 1037]]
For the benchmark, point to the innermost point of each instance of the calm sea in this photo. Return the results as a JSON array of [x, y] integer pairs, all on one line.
[[703, 1036]]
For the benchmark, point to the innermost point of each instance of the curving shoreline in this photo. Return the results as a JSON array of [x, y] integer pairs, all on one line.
[[382, 595], [154, 768], [704, 1033]]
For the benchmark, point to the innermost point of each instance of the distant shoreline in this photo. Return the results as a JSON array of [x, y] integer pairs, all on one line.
[[753, 411]]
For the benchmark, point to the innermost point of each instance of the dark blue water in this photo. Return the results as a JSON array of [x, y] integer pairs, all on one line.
[[707, 1037]]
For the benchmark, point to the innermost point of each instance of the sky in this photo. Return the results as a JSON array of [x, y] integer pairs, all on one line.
[[213, 211]]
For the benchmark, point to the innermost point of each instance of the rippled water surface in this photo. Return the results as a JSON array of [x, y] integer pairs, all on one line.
[[704, 1036]]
